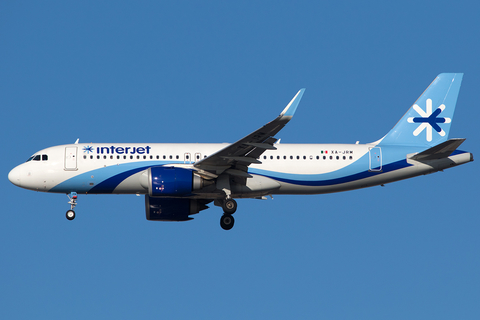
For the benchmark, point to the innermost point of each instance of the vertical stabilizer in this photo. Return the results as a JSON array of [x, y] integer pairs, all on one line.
[[427, 123]]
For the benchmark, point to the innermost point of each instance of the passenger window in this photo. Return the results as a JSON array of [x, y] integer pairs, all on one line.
[[98, 157], [271, 157], [265, 157], [91, 157], [177, 156], [44, 157], [84, 157]]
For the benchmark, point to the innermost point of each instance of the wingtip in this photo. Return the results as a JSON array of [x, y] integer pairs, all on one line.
[[290, 109]]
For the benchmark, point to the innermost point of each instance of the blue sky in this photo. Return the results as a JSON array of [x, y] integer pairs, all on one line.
[[213, 71]]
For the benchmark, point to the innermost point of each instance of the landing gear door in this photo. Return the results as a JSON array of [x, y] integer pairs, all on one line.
[[375, 159], [70, 158]]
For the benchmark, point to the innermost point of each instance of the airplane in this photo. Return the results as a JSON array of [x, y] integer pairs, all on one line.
[[179, 180]]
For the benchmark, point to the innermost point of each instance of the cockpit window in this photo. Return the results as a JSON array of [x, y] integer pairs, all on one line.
[[38, 157]]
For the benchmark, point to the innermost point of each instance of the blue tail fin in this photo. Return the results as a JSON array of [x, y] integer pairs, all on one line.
[[427, 123]]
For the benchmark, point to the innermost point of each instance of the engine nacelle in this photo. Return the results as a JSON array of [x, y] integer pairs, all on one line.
[[168, 209], [170, 181]]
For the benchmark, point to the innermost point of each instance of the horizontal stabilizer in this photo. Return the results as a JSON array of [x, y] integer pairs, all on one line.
[[443, 150]]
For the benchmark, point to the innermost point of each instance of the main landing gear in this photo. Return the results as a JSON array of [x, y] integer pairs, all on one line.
[[73, 202], [229, 207]]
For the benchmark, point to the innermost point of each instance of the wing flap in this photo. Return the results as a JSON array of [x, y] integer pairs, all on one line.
[[265, 146]]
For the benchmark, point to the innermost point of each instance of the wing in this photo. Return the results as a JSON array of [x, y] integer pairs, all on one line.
[[236, 157]]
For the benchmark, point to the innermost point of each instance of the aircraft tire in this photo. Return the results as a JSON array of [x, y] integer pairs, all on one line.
[[229, 206], [70, 215], [227, 222]]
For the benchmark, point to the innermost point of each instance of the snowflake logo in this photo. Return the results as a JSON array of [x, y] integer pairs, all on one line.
[[428, 120], [87, 149]]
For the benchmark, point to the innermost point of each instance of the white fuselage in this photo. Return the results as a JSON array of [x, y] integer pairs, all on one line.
[[290, 169]]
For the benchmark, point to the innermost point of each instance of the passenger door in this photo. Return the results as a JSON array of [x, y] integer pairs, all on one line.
[[375, 159], [70, 158]]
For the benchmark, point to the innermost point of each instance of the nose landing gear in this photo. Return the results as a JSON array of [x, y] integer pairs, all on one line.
[[73, 202]]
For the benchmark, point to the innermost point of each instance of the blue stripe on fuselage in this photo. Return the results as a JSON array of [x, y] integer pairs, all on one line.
[[106, 179], [108, 185], [324, 180]]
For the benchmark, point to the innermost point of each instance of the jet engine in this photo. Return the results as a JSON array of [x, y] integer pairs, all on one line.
[[171, 181]]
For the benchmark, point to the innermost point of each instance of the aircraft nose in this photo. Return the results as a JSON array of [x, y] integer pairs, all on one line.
[[14, 176]]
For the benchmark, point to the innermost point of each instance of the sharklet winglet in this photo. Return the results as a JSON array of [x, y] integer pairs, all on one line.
[[290, 109]]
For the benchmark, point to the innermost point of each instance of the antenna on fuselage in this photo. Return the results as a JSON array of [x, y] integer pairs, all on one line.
[[76, 142]]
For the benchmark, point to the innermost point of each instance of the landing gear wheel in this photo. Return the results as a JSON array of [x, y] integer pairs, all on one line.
[[226, 222], [70, 215], [229, 206], [72, 197]]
